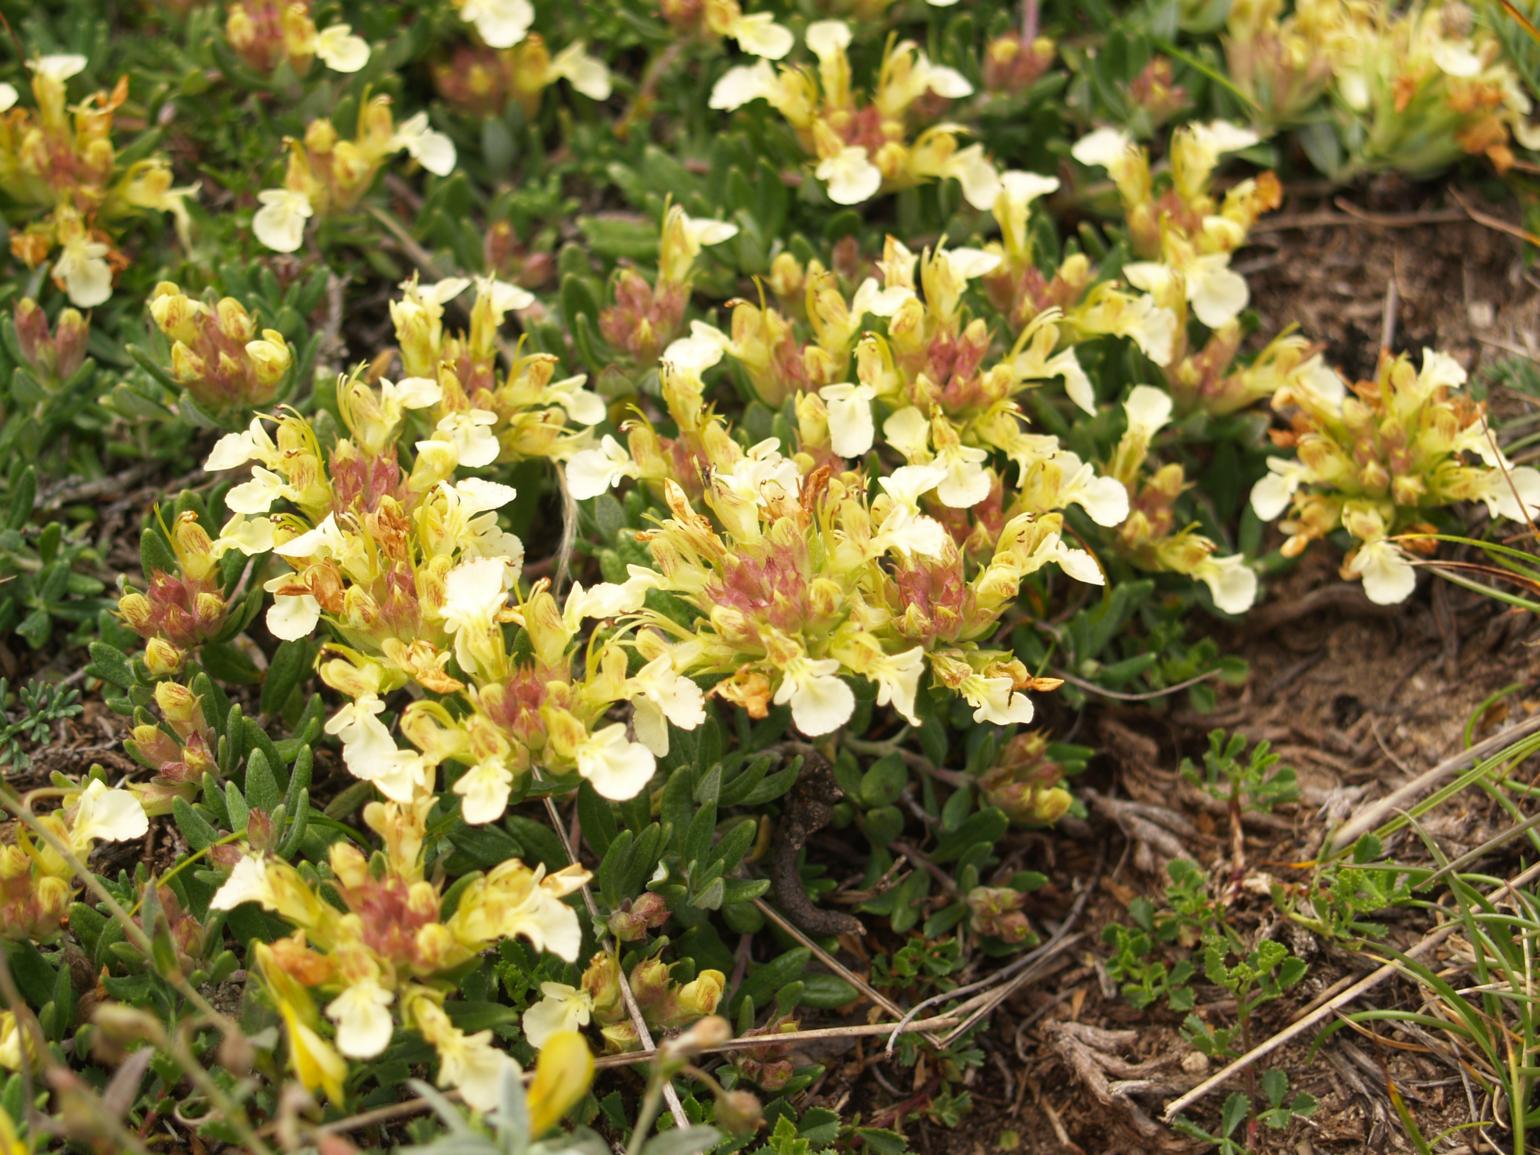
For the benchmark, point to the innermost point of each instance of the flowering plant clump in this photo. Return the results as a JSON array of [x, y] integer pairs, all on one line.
[[1150, 538], [866, 146], [218, 355], [1412, 89], [37, 880], [68, 192], [1185, 237], [1376, 460], [377, 958], [329, 173], [624, 570], [266, 34]]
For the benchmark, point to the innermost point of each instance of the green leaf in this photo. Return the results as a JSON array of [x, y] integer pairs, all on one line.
[[261, 787], [23, 497], [200, 834], [291, 664], [236, 808], [884, 781], [682, 1141], [620, 237], [826, 992], [155, 554], [596, 817], [763, 983]]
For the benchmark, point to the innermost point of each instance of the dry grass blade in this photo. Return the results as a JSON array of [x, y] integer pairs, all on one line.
[[870, 992], [1400, 799], [998, 987], [1524, 21], [1497, 224], [985, 1003]]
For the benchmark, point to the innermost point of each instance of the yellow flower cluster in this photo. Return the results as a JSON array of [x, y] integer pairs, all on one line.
[[1414, 87], [664, 1004], [180, 749], [798, 579], [485, 81], [864, 146], [217, 352], [1150, 539], [513, 416], [411, 568], [645, 317], [1184, 236], [58, 164], [37, 882], [328, 173], [385, 953], [1374, 458], [267, 34], [756, 33], [179, 610]]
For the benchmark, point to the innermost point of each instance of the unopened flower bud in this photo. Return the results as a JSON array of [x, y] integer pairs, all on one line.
[[634, 919], [135, 610], [996, 911], [174, 312], [162, 658], [652, 988], [234, 321], [701, 995], [1013, 63], [710, 1032], [69, 343], [259, 830], [187, 368], [270, 357], [739, 1112], [32, 334], [602, 983], [121, 1026], [53, 898]]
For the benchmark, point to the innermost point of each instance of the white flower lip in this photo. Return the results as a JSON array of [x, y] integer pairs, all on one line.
[[280, 222]]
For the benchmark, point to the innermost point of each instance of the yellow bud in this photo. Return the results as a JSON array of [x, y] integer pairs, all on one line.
[[162, 658], [316, 1063], [1052, 805], [209, 608], [53, 897], [602, 982], [240, 30], [174, 313], [178, 705], [234, 321], [348, 864], [270, 357], [187, 368], [320, 136], [701, 996], [13, 862], [135, 610]]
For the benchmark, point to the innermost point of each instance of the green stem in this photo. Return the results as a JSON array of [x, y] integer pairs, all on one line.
[[185, 863], [645, 1118]]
